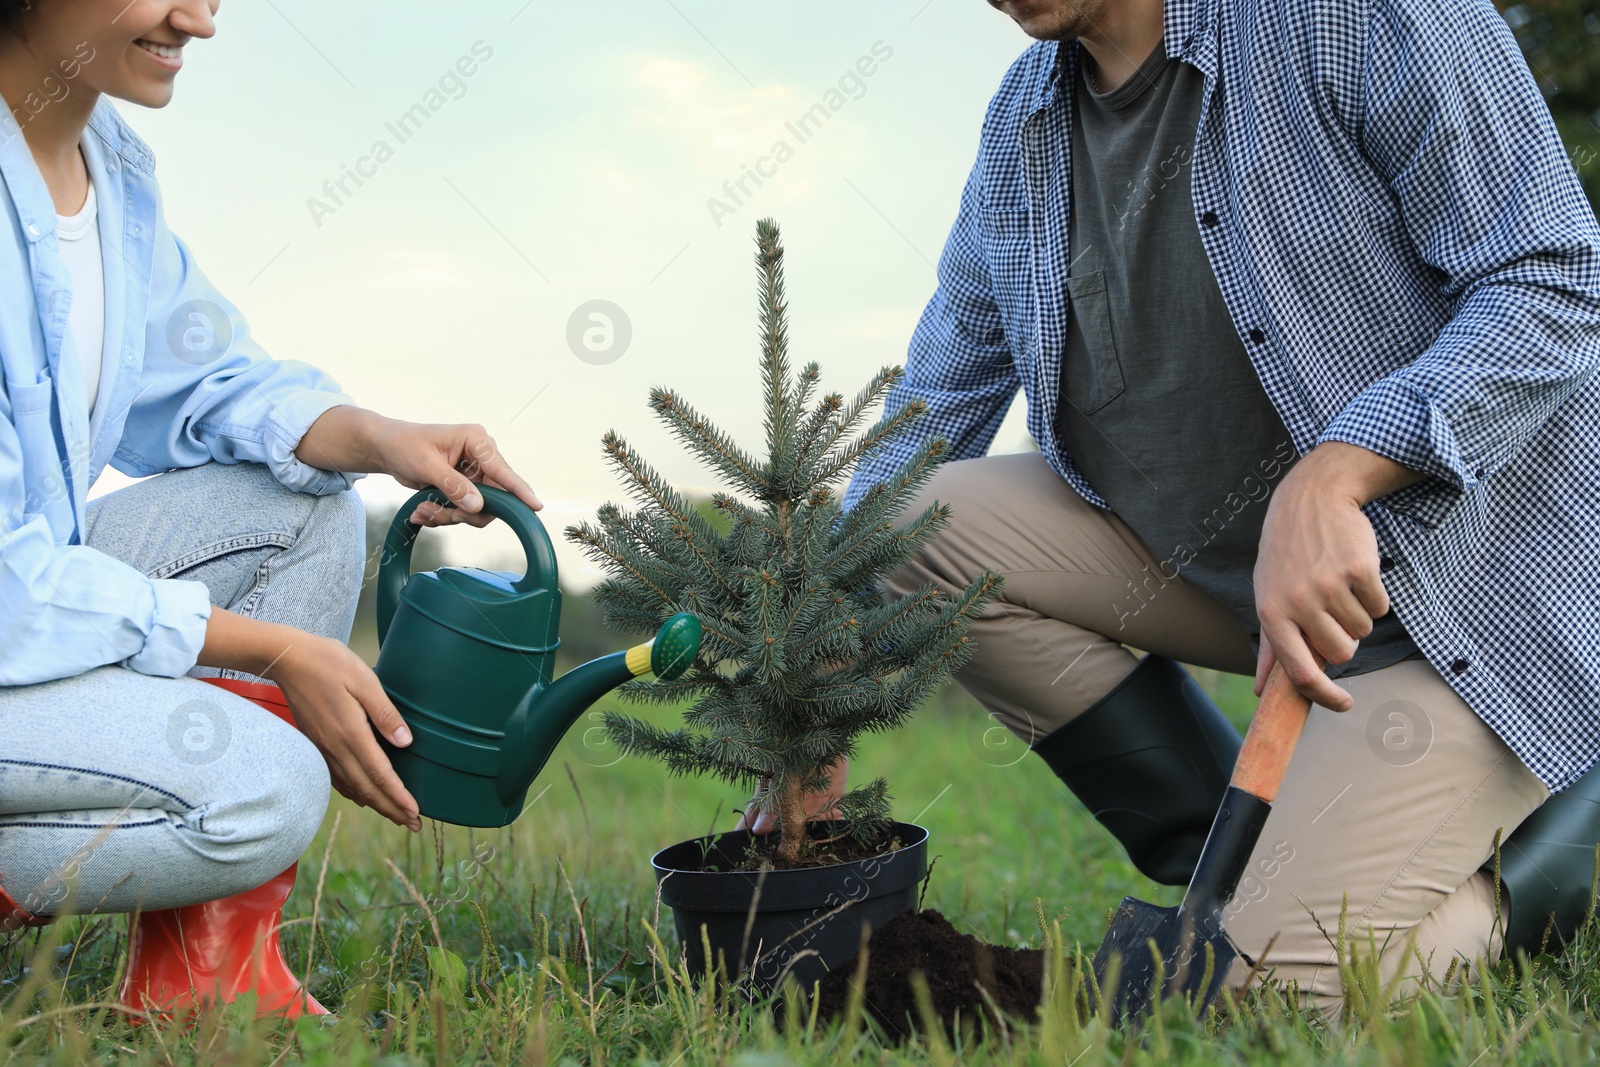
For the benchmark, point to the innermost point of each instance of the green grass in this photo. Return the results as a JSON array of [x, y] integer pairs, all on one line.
[[544, 951]]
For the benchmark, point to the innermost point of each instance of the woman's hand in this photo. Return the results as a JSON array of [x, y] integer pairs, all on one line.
[[337, 700], [452, 458]]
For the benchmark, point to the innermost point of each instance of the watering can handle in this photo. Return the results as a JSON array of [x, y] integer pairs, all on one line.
[[394, 567]]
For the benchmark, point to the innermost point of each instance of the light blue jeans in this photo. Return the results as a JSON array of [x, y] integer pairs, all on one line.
[[121, 791]]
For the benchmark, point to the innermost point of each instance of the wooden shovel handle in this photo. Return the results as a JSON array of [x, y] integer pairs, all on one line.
[[1273, 733]]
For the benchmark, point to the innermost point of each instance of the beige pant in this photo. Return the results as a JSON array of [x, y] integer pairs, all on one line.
[[1392, 805]]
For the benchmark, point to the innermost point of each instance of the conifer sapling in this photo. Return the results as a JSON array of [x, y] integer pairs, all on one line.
[[801, 653]]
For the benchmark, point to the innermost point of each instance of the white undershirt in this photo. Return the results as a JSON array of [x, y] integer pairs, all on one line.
[[80, 247]]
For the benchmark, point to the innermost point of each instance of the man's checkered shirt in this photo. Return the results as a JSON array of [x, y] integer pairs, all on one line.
[[1406, 252]]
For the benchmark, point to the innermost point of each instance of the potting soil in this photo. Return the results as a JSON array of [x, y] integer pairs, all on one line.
[[954, 964]]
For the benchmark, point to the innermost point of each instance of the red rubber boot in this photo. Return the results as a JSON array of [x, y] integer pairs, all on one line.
[[182, 958], [14, 917]]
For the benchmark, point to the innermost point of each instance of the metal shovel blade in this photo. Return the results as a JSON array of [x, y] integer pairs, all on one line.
[[1151, 952]]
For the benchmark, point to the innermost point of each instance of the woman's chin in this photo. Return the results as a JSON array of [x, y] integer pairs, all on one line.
[[145, 94]]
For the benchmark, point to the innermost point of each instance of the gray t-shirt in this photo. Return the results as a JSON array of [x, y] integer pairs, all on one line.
[[1161, 408]]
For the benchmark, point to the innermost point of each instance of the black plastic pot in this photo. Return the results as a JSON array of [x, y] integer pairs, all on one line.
[[766, 924]]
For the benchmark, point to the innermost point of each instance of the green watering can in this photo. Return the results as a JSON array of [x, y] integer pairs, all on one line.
[[466, 655]]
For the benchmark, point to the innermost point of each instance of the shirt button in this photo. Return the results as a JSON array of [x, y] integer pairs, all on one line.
[[1209, 219], [1386, 563], [1257, 336], [1461, 666], [33, 231]]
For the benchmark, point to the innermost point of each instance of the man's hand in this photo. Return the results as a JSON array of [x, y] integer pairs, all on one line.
[[1316, 577], [452, 458], [819, 806]]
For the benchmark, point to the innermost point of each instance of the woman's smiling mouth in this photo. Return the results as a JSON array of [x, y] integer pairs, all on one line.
[[169, 56]]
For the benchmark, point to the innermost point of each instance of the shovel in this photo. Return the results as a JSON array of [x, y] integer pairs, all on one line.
[[1151, 952]]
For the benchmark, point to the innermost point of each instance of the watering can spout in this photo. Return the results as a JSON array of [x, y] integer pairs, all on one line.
[[550, 712]]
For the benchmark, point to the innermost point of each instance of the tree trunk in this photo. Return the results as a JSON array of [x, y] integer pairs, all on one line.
[[792, 822]]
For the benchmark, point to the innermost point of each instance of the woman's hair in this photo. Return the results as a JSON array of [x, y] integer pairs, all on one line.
[[11, 12]]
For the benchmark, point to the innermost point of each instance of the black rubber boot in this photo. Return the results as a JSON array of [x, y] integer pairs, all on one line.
[[1150, 759], [1547, 868]]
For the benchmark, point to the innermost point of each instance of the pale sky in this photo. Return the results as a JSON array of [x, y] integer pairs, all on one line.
[[574, 163]]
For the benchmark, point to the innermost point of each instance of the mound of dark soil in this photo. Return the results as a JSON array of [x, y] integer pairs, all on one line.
[[954, 964]]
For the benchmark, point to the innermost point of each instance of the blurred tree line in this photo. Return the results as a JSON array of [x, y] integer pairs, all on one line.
[[1561, 40]]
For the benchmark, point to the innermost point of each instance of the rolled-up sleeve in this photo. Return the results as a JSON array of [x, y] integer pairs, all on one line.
[[66, 609], [1465, 142], [175, 628], [288, 422], [209, 392], [1398, 421]]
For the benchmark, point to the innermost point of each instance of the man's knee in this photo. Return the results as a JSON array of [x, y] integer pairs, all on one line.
[[964, 488], [972, 487]]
